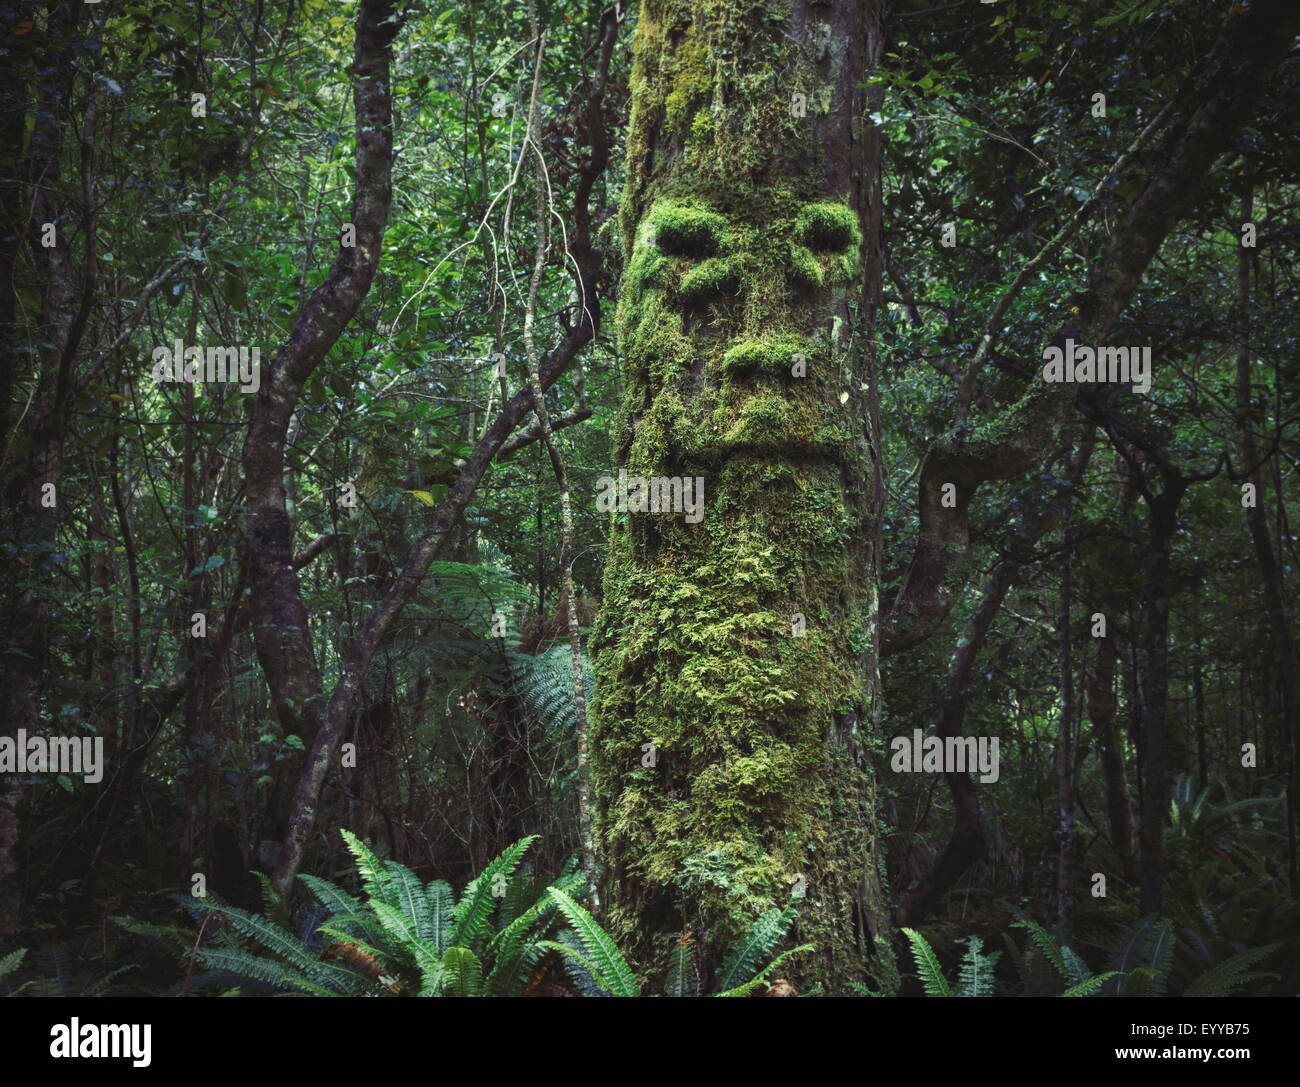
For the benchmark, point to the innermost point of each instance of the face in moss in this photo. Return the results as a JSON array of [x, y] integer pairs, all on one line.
[[728, 323]]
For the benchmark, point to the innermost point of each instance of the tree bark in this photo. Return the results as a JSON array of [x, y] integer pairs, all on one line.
[[735, 656]]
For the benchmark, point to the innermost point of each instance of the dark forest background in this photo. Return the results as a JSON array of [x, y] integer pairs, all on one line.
[[199, 162]]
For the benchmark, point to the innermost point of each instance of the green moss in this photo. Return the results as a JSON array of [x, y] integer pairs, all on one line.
[[806, 272], [830, 226], [711, 279], [772, 357], [687, 229]]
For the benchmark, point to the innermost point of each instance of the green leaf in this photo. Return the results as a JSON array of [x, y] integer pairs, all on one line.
[[927, 965], [599, 955]]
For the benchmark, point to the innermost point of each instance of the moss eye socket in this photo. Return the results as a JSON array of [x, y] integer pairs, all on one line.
[[686, 231], [828, 227]]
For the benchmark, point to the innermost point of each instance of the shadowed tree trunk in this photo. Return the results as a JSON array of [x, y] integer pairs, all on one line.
[[739, 640]]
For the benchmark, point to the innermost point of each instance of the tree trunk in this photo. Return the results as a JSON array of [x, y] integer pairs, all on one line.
[[742, 645]]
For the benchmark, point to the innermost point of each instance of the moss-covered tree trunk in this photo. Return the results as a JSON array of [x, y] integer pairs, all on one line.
[[736, 652]]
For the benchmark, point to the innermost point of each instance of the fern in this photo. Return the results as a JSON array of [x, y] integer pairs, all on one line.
[[1046, 944], [927, 965], [442, 905], [1090, 985], [975, 977], [745, 988], [476, 903], [1145, 956], [10, 962], [1231, 973], [374, 876], [602, 959], [462, 972], [755, 945], [682, 978], [411, 899]]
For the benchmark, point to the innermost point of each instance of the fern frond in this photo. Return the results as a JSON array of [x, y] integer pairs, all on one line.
[[476, 903], [1162, 954], [1046, 944], [1221, 978], [100, 985], [976, 972], [337, 901], [273, 906], [442, 906], [462, 973], [927, 965], [411, 899], [273, 938], [761, 977], [1076, 969], [374, 875], [1088, 986], [581, 968], [255, 968], [757, 942], [10, 962], [610, 969], [682, 979]]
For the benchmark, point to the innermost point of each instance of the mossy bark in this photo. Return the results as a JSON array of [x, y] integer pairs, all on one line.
[[743, 645]]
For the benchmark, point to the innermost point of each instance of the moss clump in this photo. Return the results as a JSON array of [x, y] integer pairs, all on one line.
[[828, 226], [805, 271], [772, 358], [688, 230], [713, 278]]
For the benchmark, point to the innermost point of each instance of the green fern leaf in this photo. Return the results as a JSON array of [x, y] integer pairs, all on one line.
[[682, 978], [462, 973], [411, 899], [334, 899], [1221, 978], [476, 903], [1088, 986], [1046, 944], [927, 965], [757, 942], [442, 907], [10, 962], [374, 875], [761, 977], [609, 967], [976, 973]]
